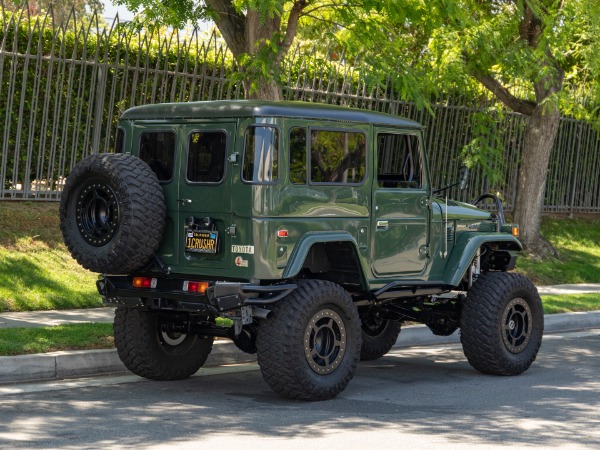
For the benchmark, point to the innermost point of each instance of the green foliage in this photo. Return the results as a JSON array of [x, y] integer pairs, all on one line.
[[74, 71], [486, 147], [58, 11]]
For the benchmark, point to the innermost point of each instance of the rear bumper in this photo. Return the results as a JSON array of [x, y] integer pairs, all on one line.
[[169, 295]]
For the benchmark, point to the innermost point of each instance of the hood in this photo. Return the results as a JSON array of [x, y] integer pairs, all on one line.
[[461, 211]]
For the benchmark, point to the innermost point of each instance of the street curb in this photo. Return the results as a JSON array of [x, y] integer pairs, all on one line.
[[60, 365]]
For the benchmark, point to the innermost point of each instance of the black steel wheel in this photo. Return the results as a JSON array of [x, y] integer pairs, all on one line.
[[97, 211], [112, 213], [151, 350], [502, 323], [309, 347], [378, 335]]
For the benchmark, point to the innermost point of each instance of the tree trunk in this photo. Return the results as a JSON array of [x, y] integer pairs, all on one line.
[[260, 88], [540, 134]]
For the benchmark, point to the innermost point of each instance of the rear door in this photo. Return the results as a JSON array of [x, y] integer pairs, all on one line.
[[190, 161], [204, 197]]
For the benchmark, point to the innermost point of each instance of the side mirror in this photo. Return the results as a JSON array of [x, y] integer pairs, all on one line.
[[464, 178]]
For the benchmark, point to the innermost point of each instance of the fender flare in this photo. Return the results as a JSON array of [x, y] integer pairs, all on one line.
[[305, 243], [466, 248]]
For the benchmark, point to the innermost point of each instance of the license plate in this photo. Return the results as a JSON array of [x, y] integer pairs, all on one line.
[[201, 241]]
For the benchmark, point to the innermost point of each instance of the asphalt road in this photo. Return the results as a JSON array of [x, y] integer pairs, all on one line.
[[414, 398]]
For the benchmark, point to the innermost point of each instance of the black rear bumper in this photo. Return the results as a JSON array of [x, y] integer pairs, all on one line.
[[169, 295]]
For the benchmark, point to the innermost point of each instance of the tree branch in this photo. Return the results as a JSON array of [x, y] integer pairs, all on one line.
[[231, 24], [495, 87], [291, 28]]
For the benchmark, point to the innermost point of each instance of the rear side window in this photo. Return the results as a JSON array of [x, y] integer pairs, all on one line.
[[119, 140], [298, 155], [337, 156], [261, 155], [157, 149], [399, 163], [206, 156]]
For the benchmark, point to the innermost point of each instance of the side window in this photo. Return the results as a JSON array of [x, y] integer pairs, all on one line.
[[261, 155], [298, 155], [206, 156], [337, 156], [398, 161], [157, 148], [119, 140]]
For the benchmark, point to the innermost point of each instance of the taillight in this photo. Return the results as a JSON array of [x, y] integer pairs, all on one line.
[[144, 282], [195, 286]]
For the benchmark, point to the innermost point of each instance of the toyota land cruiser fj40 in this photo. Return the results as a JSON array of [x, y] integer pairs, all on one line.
[[314, 228]]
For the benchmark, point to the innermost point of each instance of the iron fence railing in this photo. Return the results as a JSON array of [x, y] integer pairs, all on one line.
[[62, 88]]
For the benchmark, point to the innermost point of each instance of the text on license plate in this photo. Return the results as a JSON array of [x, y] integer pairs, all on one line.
[[201, 241]]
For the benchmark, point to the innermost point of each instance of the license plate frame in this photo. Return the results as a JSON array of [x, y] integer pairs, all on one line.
[[201, 241]]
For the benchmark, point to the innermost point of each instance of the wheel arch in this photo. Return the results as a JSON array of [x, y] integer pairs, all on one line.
[[336, 250], [465, 250]]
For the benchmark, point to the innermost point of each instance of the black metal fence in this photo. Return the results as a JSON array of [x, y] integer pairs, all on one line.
[[62, 88]]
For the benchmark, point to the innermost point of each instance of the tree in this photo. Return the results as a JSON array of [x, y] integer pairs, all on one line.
[[532, 55], [259, 33]]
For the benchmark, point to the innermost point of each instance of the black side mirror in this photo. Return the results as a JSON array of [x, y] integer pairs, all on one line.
[[464, 178]]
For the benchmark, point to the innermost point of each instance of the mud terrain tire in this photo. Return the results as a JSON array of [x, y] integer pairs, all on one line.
[[502, 323], [112, 213], [151, 353], [378, 337], [309, 347]]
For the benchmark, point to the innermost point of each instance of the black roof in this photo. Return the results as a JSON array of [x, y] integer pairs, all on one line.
[[256, 108]]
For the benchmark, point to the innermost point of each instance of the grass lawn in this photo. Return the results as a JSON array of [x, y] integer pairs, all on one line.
[[578, 245], [81, 336], [36, 270], [571, 303]]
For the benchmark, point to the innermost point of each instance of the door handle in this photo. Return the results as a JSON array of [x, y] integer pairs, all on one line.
[[382, 225], [184, 201]]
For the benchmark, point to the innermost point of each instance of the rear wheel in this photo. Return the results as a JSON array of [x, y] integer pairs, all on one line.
[[502, 323], [378, 335], [149, 349], [310, 346]]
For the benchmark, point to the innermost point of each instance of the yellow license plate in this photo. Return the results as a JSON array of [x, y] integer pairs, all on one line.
[[201, 241]]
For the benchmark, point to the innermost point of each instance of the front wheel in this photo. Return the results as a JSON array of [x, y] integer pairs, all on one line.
[[502, 323], [150, 350], [310, 346]]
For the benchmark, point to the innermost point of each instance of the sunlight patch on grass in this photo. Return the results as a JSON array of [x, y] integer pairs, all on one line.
[[554, 304]]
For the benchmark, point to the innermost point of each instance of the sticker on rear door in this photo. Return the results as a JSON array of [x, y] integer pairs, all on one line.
[[247, 249]]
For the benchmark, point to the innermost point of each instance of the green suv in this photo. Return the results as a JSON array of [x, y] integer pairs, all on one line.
[[313, 228]]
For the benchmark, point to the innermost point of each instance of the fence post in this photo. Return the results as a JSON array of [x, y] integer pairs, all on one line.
[[574, 187]]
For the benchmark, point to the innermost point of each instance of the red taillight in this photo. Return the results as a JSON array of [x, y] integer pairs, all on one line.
[[195, 286], [144, 282], [282, 233]]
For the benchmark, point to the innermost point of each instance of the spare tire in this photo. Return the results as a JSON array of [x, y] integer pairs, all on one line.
[[112, 213]]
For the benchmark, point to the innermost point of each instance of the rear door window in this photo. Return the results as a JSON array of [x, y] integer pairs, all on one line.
[[157, 149], [206, 156]]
